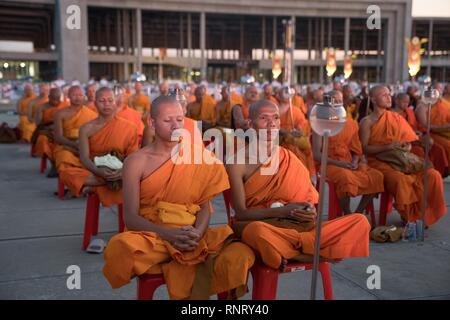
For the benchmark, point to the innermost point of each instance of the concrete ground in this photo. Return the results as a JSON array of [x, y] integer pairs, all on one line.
[[40, 236]]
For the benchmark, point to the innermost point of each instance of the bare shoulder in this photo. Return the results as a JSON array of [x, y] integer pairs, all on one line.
[[366, 122]]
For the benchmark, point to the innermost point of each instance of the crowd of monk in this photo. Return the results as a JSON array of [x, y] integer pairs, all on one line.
[[167, 204]]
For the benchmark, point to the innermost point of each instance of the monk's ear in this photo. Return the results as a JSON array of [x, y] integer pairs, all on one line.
[[151, 123]]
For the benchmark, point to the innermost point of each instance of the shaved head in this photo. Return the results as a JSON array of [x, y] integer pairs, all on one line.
[[101, 91], [256, 106], [55, 92], [337, 96], [159, 102], [375, 90], [73, 89]]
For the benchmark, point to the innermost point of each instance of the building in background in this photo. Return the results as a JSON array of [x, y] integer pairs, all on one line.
[[213, 40]]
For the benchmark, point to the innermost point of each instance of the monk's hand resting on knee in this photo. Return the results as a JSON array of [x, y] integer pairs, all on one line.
[[302, 211]]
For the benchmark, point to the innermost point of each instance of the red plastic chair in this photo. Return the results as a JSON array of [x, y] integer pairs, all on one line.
[[385, 207], [43, 163], [334, 209], [92, 218], [265, 279], [60, 189]]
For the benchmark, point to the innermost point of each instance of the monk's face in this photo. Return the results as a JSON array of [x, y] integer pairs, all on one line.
[[251, 95], [284, 95], [337, 86], [338, 98], [163, 89], [138, 87], [268, 118], [90, 92], [382, 98], [105, 103], [348, 92], [447, 90], [318, 95], [169, 119], [225, 94], [267, 90], [199, 93], [76, 96], [54, 98], [402, 103], [28, 90], [44, 89]]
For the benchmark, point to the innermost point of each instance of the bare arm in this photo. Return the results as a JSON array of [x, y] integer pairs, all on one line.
[[38, 115], [202, 219], [30, 111], [83, 148], [421, 115], [59, 132], [236, 174]]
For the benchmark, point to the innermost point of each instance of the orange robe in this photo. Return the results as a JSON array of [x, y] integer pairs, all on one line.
[[351, 183], [297, 101], [23, 108], [225, 114], [141, 103], [270, 98], [407, 189], [440, 115], [236, 98], [185, 186], [344, 237], [207, 110], [65, 158], [29, 127], [118, 135], [91, 105], [437, 153], [43, 144], [133, 116], [295, 119]]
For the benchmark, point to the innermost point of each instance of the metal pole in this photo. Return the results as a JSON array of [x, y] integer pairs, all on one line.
[[323, 173], [425, 174]]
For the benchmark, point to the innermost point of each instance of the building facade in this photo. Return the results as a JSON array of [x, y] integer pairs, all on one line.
[[216, 40]]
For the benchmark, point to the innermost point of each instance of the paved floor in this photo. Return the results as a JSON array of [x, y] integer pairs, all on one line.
[[40, 236]]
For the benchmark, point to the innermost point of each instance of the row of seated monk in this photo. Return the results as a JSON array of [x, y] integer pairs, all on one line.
[[167, 204]]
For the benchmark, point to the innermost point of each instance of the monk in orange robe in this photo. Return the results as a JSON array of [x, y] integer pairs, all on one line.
[[90, 94], [240, 112], [107, 134], [22, 107], [44, 133], [268, 205], [268, 94], [295, 131], [437, 153], [140, 102], [33, 106], [203, 108], [349, 102], [347, 168], [127, 113], [67, 125], [384, 130], [166, 213], [223, 109], [298, 102], [440, 122]]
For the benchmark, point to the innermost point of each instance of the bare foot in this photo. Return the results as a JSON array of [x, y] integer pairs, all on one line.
[[283, 264], [86, 191], [68, 195]]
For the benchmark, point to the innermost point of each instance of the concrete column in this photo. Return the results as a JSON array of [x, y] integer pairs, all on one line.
[[119, 31], [293, 67], [407, 16], [71, 38], [379, 55], [181, 35], [138, 30], [263, 38], [430, 46], [203, 44], [347, 36], [309, 39], [322, 44], [274, 34]]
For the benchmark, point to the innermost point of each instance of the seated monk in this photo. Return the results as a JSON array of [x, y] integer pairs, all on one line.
[[90, 94], [22, 108], [107, 134], [386, 139], [223, 109], [203, 108], [140, 102], [33, 106], [275, 213], [347, 167], [437, 152], [127, 113], [349, 102], [268, 94], [166, 213], [240, 112], [43, 136], [299, 102], [440, 122], [67, 124], [295, 131]]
